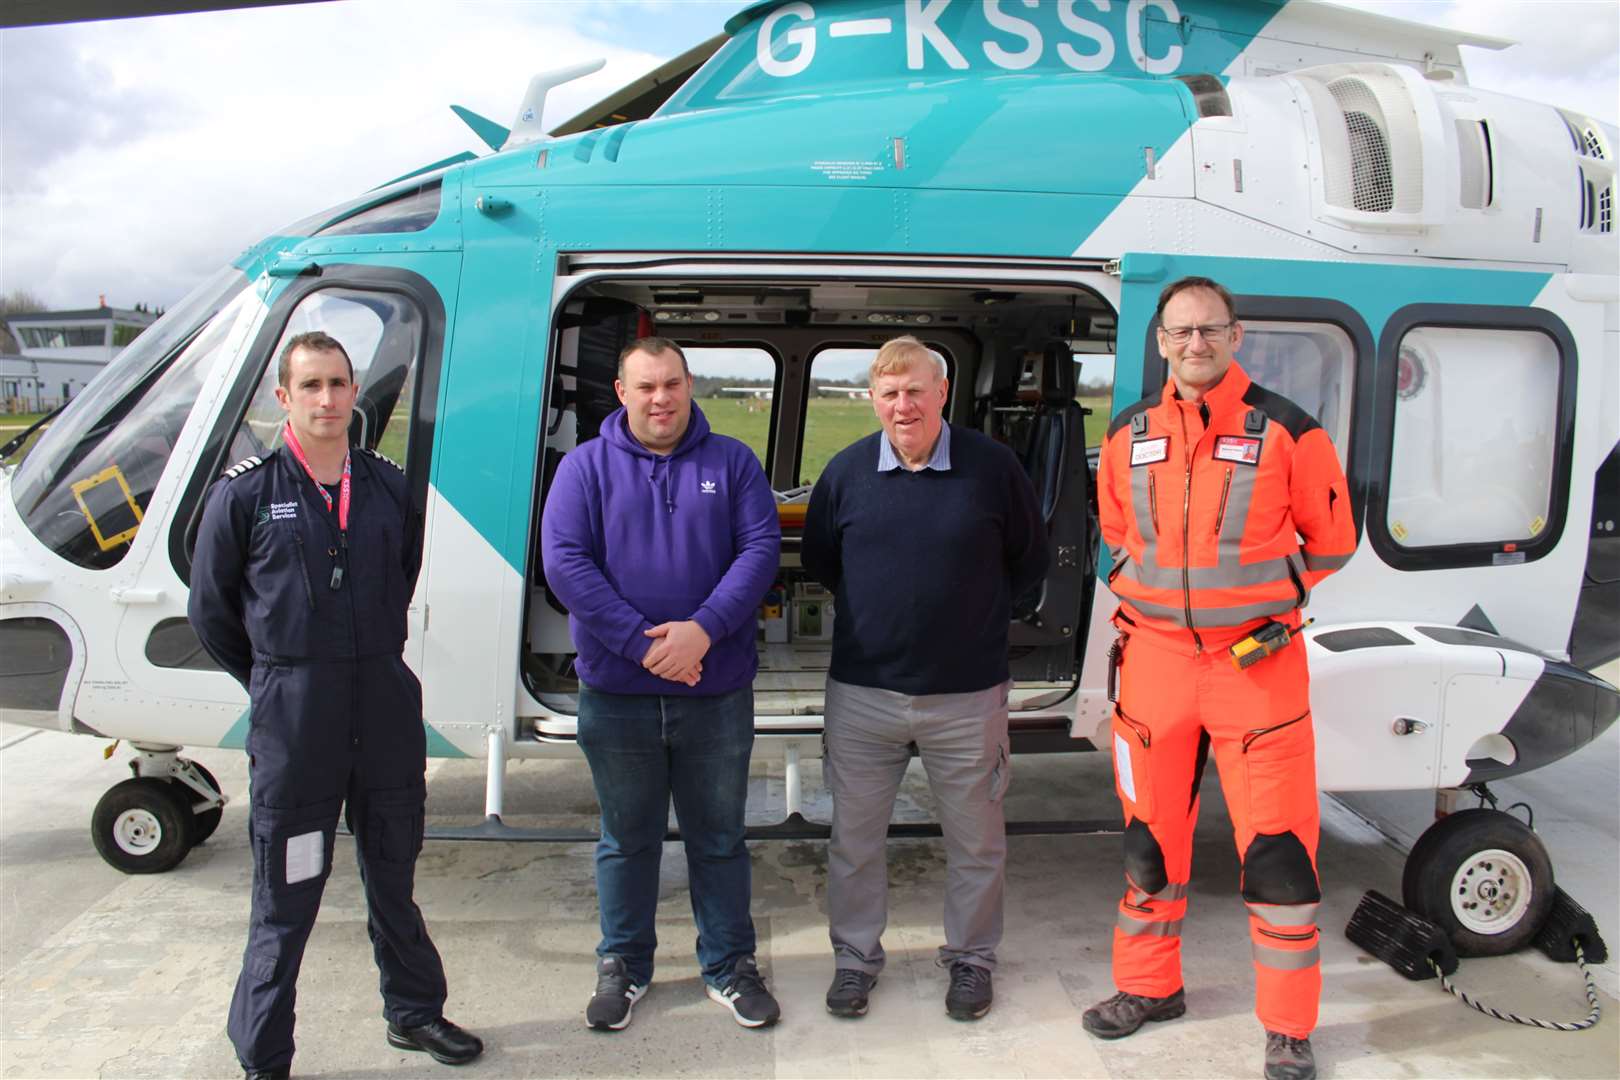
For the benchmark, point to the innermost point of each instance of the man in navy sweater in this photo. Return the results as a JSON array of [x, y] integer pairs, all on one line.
[[661, 537], [925, 532]]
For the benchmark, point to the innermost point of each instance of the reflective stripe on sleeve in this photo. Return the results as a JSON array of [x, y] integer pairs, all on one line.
[[1325, 562]]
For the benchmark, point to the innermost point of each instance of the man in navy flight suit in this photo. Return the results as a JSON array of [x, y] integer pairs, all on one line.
[[305, 563]]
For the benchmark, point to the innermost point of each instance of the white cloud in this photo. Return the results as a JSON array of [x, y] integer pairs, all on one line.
[[245, 121]]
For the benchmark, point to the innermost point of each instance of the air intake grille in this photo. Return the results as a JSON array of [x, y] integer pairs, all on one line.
[[1372, 154], [1586, 135], [1372, 181]]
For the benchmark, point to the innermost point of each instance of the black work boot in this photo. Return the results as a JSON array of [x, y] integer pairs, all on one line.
[[1124, 1013], [1288, 1058], [446, 1043]]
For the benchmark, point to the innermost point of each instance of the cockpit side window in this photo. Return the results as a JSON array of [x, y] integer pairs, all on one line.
[[409, 211], [86, 487], [382, 333]]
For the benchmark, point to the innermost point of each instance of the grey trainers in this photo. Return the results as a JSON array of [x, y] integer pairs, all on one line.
[[615, 996], [970, 994], [1288, 1058], [744, 993], [1124, 1013], [848, 993]]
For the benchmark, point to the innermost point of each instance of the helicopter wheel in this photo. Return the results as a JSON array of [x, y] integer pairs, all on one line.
[[1483, 877], [144, 826]]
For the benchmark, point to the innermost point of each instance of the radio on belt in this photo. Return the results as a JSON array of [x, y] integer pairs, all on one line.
[[1262, 643]]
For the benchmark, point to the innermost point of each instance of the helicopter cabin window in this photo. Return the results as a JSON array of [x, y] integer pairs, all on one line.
[[382, 333], [410, 211], [85, 488], [840, 410], [1311, 364], [736, 391], [1475, 439]]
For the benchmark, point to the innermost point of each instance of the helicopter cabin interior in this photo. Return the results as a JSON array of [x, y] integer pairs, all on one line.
[[782, 365]]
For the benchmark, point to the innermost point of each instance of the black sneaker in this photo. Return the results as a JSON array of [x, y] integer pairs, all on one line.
[[1288, 1058], [970, 994], [744, 993], [848, 992], [1124, 1013], [615, 996]]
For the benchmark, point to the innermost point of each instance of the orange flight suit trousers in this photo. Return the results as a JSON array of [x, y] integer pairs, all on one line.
[[1177, 706]]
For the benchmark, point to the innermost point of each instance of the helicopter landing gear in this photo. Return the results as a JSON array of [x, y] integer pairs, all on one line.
[[148, 824]]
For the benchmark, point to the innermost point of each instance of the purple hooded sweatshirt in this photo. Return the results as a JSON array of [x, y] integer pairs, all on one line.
[[632, 539]]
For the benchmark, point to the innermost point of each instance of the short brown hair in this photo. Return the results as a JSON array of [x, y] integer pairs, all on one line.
[[315, 341], [1186, 283], [652, 346], [902, 354]]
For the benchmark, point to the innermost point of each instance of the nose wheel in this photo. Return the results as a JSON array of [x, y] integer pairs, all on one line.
[[1483, 877], [149, 823], [143, 826]]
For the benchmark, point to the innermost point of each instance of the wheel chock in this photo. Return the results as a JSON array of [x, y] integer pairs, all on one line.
[[1405, 941], [1568, 923]]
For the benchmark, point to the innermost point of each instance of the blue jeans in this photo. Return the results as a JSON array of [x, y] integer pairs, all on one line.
[[643, 749]]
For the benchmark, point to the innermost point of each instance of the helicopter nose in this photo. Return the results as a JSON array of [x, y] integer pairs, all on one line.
[[1565, 709]]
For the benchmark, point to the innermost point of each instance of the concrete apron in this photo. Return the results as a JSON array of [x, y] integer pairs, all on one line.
[[107, 975]]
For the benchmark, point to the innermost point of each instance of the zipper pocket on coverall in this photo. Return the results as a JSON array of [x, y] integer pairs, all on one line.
[[1133, 778], [303, 571]]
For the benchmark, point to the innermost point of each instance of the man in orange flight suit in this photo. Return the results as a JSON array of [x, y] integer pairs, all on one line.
[[1204, 491]]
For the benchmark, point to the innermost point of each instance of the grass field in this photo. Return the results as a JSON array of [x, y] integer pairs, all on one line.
[[14, 424], [831, 424]]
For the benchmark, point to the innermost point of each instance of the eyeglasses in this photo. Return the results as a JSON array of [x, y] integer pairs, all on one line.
[[1183, 334]]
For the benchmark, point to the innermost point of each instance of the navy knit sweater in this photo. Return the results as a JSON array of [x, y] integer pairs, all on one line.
[[924, 565]]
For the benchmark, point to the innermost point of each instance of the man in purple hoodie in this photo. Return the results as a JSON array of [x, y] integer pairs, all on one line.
[[661, 537]]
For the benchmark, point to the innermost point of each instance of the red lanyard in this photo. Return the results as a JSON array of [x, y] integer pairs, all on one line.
[[343, 488]]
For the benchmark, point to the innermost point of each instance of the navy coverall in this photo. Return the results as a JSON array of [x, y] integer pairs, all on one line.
[[336, 718]]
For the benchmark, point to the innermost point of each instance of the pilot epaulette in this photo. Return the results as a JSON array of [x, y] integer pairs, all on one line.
[[382, 457], [243, 466]]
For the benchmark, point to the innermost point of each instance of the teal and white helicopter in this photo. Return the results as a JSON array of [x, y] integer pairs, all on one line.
[[1426, 266]]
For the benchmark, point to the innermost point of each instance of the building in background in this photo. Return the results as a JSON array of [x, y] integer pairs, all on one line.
[[61, 351]]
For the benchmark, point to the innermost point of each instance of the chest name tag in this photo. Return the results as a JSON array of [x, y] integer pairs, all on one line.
[[1244, 451], [283, 511], [1147, 451]]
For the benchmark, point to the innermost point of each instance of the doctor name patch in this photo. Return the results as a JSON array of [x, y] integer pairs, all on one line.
[[1244, 451], [1147, 451]]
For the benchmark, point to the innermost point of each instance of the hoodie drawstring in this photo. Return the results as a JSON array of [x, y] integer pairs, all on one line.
[[669, 490]]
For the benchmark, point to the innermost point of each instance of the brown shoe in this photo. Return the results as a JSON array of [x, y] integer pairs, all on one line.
[[1123, 1013]]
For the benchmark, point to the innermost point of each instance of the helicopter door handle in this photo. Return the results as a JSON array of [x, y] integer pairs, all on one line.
[[137, 596], [1406, 725]]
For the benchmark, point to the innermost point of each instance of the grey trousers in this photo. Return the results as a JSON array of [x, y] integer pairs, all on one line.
[[962, 740]]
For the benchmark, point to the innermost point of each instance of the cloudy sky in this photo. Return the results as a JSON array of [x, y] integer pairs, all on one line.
[[138, 155]]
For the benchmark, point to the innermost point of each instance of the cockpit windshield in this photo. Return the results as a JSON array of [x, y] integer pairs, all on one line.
[[85, 487]]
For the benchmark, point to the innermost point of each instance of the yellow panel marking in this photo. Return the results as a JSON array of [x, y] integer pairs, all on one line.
[[110, 473]]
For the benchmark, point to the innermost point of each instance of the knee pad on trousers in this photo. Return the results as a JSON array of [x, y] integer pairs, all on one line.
[[1144, 858], [1278, 870]]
